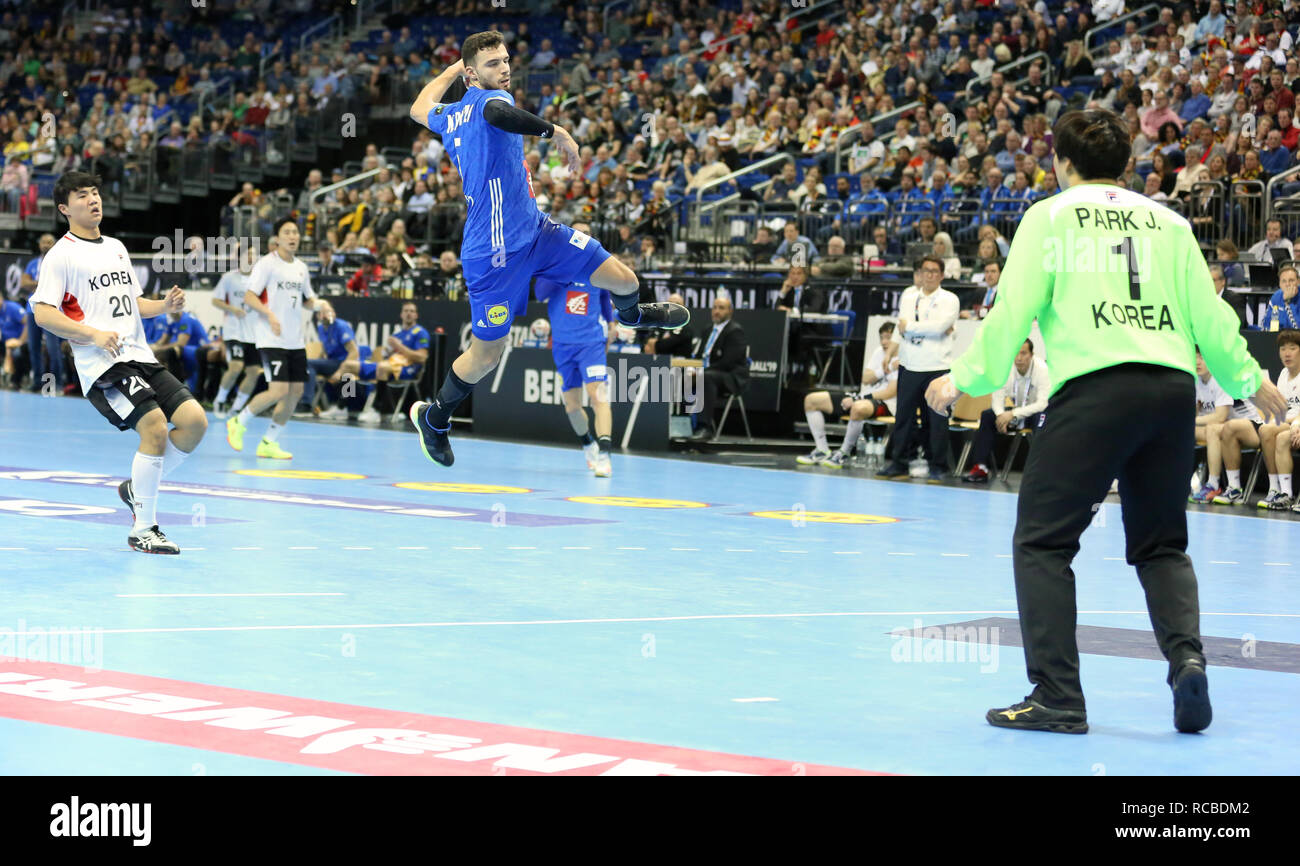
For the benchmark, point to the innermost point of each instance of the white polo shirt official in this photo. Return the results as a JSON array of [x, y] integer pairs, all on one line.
[[927, 345]]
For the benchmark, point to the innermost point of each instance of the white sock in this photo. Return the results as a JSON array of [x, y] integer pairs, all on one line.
[[1234, 477], [222, 394], [273, 432], [1284, 484], [146, 474], [1272, 484], [851, 436], [241, 400], [817, 427], [245, 416], [172, 457]]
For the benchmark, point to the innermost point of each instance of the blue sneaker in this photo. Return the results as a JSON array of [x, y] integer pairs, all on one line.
[[433, 442], [1205, 495]]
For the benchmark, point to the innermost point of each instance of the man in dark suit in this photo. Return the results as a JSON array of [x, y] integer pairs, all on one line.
[[1233, 299], [796, 298], [725, 352]]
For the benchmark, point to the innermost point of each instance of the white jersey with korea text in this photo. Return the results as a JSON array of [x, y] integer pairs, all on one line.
[[92, 282], [230, 289], [876, 364], [1290, 387], [1210, 396], [282, 286]]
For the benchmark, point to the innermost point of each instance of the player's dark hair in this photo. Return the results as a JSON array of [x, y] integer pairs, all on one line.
[[476, 42], [930, 259], [71, 181], [993, 261], [1289, 335], [1095, 141], [1030, 343], [887, 326], [280, 223]]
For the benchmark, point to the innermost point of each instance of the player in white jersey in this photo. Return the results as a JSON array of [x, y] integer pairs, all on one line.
[[278, 290], [1212, 408], [1282, 439], [236, 331], [1241, 430], [875, 398], [89, 295]]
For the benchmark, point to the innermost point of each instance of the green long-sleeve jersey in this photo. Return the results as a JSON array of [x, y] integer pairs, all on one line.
[[1113, 278]]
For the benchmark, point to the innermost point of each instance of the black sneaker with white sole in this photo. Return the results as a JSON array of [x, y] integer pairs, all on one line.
[[668, 317], [1192, 712], [151, 540], [433, 442], [1030, 715], [127, 494]]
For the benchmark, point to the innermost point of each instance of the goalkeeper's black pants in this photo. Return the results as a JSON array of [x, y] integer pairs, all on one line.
[[1134, 422]]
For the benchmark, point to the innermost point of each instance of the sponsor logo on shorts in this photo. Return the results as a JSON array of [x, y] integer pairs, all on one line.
[[596, 371], [498, 314]]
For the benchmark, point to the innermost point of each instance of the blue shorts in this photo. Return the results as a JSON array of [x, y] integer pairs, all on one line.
[[499, 288], [579, 363]]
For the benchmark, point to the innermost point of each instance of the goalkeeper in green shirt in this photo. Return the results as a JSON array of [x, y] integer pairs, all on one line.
[[1123, 297]]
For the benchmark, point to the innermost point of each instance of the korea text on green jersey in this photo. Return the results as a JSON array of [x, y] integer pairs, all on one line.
[[1113, 278]]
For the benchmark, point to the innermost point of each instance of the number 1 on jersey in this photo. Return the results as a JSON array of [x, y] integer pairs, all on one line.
[[1125, 249]]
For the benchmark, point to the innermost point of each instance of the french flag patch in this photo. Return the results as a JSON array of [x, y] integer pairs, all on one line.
[[1111, 195]]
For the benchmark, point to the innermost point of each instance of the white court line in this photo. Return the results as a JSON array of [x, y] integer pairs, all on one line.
[[1224, 562], [753, 700], [1278, 563], [1003, 555], [1113, 558], [609, 620], [221, 594], [515, 547], [629, 548], [792, 551], [358, 548], [576, 548], [675, 548], [13, 548], [848, 553], [740, 550], [467, 548], [954, 554], [245, 548]]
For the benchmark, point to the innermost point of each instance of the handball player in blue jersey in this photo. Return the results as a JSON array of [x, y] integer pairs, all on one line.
[[578, 344], [507, 240]]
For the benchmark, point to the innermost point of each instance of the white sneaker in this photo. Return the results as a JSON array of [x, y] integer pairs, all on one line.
[[591, 452], [335, 413], [603, 467], [370, 416], [221, 414], [919, 469]]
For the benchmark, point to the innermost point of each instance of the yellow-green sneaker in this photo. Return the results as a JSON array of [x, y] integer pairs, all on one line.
[[267, 448], [235, 433]]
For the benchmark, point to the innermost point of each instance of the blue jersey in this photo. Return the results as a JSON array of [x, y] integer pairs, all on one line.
[[187, 324], [11, 320], [502, 209], [575, 311], [334, 339], [155, 328], [414, 337]]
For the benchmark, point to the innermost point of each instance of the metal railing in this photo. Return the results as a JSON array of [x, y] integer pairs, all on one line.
[[604, 13], [727, 178], [332, 25], [1116, 22], [212, 93], [1293, 172], [853, 131]]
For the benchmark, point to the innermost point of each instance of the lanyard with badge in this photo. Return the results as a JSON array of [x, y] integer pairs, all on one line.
[[916, 314]]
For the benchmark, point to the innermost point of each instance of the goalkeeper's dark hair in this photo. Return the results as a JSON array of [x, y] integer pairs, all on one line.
[[1096, 142]]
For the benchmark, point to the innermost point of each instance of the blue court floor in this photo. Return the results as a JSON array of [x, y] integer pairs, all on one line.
[[655, 606]]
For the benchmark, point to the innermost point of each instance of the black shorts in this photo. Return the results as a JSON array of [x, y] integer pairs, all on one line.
[[238, 350], [837, 398], [131, 389], [284, 365]]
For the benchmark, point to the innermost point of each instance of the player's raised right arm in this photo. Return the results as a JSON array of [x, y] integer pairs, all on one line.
[[432, 93]]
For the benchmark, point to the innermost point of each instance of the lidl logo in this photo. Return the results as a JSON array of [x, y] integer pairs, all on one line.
[[497, 314], [825, 516], [637, 502]]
